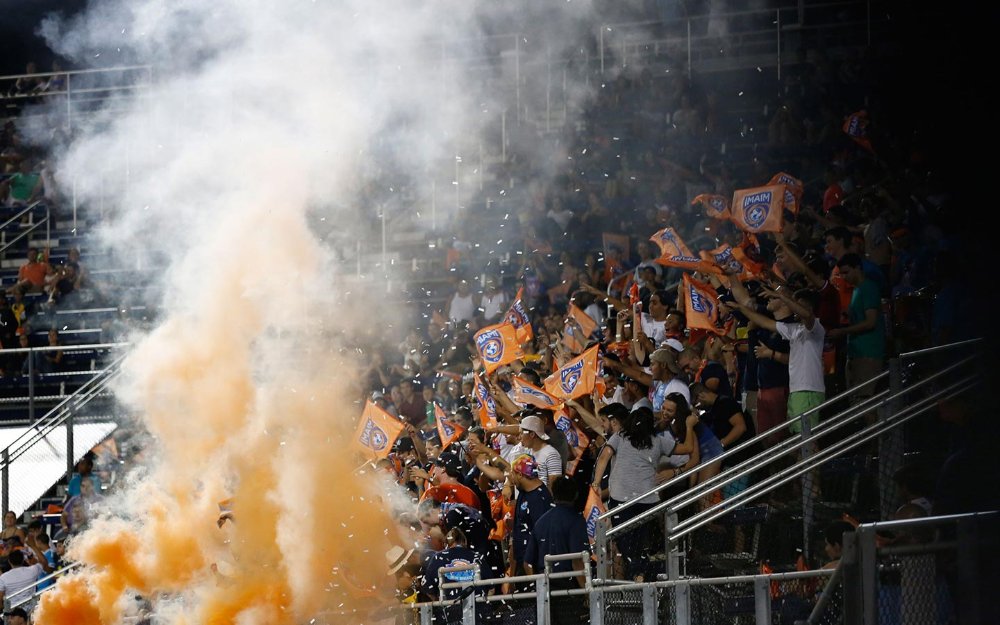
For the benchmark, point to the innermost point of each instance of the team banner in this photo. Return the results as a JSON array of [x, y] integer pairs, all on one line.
[[576, 378], [517, 316], [377, 431], [794, 188], [690, 263], [759, 209], [592, 511], [732, 261], [716, 206], [701, 305], [578, 329], [486, 406], [498, 346], [856, 127], [527, 393], [670, 243], [576, 440], [448, 430]]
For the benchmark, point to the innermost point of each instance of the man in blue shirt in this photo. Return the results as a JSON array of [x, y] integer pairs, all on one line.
[[561, 530]]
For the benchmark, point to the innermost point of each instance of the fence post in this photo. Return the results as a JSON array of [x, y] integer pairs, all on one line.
[[762, 600], [542, 600], [31, 386], [597, 607], [650, 605], [671, 551], [890, 446], [70, 461], [426, 615], [601, 546], [968, 570], [807, 486], [869, 587], [850, 567], [5, 478], [682, 603]]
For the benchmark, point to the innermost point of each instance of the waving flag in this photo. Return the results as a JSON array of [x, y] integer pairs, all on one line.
[[448, 430], [690, 263], [856, 127], [486, 406], [377, 431], [576, 440], [670, 243], [517, 316], [576, 378], [716, 206], [498, 346], [759, 209], [793, 191], [578, 329], [592, 511], [701, 305], [527, 393], [733, 261]]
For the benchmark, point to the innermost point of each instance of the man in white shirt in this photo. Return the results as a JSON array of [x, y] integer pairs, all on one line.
[[534, 438], [18, 583]]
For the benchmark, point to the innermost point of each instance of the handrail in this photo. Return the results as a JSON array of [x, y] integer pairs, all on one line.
[[29, 207], [825, 427], [25, 233], [76, 72], [939, 348], [53, 576]]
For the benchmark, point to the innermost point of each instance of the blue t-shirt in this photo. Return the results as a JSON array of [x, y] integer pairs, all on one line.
[[560, 530], [528, 508]]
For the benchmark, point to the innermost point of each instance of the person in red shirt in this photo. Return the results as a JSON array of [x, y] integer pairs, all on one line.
[[446, 482]]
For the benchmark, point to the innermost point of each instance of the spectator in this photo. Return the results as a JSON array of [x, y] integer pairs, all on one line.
[[23, 188], [34, 273], [11, 527], [456, 552], [439, 518], [725, 418], [17, 616], [560, 530], [532, 501], [17, 584], [462, 305], [411, 406], [865, 331], [446, 482], [536, 442], [834, 536], [711, 373]]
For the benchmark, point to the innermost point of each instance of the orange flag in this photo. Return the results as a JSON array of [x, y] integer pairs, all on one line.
[[498, 346], [576, 378], [527, 393], [733, 261], [448, 430], [759, 209], [670, 243], [485, 404], [856, 127], [794, 188], [575, 439], [716, 206], [593, 509], [377, 431], [578, 329], [517, 316], [701, 305], [690, 263]]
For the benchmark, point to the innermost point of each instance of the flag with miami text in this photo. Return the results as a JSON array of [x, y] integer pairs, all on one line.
[[448, 430], [794, 188], [732, 261], [670, 243], [701, 305], [592, 512], [576, 378], [578, 329], [759, 209], [576, 440], [526, 393], [486, 406], [856, 127], [517, 316], [377, 431], [498, 345]]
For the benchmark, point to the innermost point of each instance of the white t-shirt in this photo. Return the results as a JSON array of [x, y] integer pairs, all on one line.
[[549, 462], [19, 578], [655, 330], [805, 357], [493, 306]]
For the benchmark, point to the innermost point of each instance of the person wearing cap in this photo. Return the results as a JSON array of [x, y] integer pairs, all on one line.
[[533, 500], [534, 438]]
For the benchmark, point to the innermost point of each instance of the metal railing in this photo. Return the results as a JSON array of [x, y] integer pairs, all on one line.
[[950, 381], [60, 415]]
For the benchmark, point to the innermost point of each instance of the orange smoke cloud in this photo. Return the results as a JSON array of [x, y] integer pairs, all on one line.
[[248, 394]]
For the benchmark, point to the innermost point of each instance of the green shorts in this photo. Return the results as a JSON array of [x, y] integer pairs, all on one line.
[[801, 401]]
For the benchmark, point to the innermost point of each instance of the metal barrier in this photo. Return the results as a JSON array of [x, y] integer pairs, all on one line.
[[932, 570], [762, 474]]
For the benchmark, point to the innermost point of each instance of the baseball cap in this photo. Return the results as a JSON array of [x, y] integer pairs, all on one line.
[[534, 424], [674, 343], [666, 356], [525, 465], [403, 444]]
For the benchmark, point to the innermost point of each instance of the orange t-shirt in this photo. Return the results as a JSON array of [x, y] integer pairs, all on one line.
[[452, 493], [34, 273]]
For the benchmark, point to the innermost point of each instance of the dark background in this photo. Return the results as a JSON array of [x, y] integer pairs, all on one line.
[[19, 44]]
